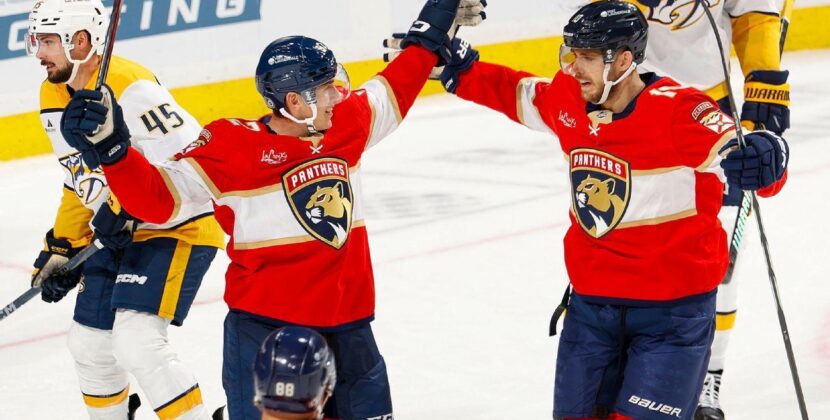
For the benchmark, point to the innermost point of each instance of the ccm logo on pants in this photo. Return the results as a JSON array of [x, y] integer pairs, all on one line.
[[131, 278], [654, 406]]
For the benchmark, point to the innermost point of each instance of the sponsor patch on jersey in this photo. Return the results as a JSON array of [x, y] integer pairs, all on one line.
[[320, 196], [716, 121], [272, 157], [600, 190]]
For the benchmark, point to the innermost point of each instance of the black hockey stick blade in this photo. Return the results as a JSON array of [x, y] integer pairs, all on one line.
[[70, 265]]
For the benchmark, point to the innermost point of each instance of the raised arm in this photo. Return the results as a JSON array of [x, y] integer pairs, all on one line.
[[427, 44], [517, 94]]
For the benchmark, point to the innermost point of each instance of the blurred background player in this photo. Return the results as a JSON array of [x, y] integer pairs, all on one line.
[[294, 375], [682, 45], [645, 250], [134, 288], [286, 187]]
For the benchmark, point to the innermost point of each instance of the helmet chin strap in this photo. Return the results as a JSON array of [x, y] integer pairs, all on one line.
[[76, 64], [309, 122], [606, 91]]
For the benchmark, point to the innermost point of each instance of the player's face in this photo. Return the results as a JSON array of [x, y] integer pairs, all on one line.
[[588, 68], [51, 55], [327, 96]]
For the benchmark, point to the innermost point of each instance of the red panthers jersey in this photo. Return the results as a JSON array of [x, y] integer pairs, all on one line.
[[291, 205], [646, 184]]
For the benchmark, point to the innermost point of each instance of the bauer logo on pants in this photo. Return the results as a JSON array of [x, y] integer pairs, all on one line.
[[601, 187], [320, 196]]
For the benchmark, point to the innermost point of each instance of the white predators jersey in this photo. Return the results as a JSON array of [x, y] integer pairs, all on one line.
[[681, 43], [159, 128]]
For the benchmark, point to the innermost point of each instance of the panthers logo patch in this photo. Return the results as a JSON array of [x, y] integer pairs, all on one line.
[[320, 196], [601, 188]]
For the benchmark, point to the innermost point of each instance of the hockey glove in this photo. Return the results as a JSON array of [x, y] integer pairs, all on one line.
[[766, 101], [93, 123], [113, 226], [463, 57], [432, 28], [57, 252], [470, 13], [758, 165]]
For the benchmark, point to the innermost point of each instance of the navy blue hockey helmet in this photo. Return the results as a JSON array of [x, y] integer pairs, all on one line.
[[608, 26], [294, 371], [295, 64]]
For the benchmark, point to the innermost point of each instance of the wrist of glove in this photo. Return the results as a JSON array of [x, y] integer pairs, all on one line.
[[48, 275], [767, 101], [113, 226], [760, 164], [463, 57], [437, 23], [93, 123]]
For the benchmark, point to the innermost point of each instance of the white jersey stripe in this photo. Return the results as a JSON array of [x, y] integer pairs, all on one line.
[[525, 109], [386, 115]]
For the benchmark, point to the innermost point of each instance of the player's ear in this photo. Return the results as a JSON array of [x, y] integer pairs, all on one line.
[[624, 59], [293, 103], [81, 39]]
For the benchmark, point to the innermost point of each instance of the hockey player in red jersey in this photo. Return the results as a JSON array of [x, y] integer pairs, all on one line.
[[286, 188], [645, 250]]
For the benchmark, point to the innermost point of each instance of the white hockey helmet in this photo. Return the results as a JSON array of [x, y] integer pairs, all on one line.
[[65, 18]]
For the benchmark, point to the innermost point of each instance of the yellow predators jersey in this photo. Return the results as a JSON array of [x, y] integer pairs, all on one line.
[[159, 128], [681, 43]]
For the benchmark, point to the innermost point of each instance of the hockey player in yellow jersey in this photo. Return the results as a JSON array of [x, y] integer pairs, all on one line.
[[147, 275], [682, 45]]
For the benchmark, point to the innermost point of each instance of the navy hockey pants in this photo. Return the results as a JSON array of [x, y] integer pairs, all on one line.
[[159, 276], [644, 362], [362, 389]]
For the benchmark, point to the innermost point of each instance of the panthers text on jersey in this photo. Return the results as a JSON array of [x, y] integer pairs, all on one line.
[[292, 205], [159, 128], [646, 184]]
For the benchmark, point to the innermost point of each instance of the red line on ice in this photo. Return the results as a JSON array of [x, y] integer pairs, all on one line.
[[478, 242], [442, 250]]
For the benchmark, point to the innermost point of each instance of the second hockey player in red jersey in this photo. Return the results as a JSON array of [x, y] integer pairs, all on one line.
[[286, 188], [645, 250]]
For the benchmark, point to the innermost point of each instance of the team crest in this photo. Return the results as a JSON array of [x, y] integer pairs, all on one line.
[[678, 14], [717, 121], [88, 184], [203, 139], [320, 196], [601, 188]]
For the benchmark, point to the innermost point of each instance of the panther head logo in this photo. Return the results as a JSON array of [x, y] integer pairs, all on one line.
[[321, 197], [601, 189], [598, 197], [330, 205]]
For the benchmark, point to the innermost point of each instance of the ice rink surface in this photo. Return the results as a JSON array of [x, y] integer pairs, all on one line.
[[466, 212]]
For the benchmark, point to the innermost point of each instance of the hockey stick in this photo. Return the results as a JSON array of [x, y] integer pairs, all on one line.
[[70, 265], [746, 201], [109, 43], [802, 405]]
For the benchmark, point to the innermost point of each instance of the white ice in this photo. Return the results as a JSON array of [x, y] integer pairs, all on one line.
[[466, 213]]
